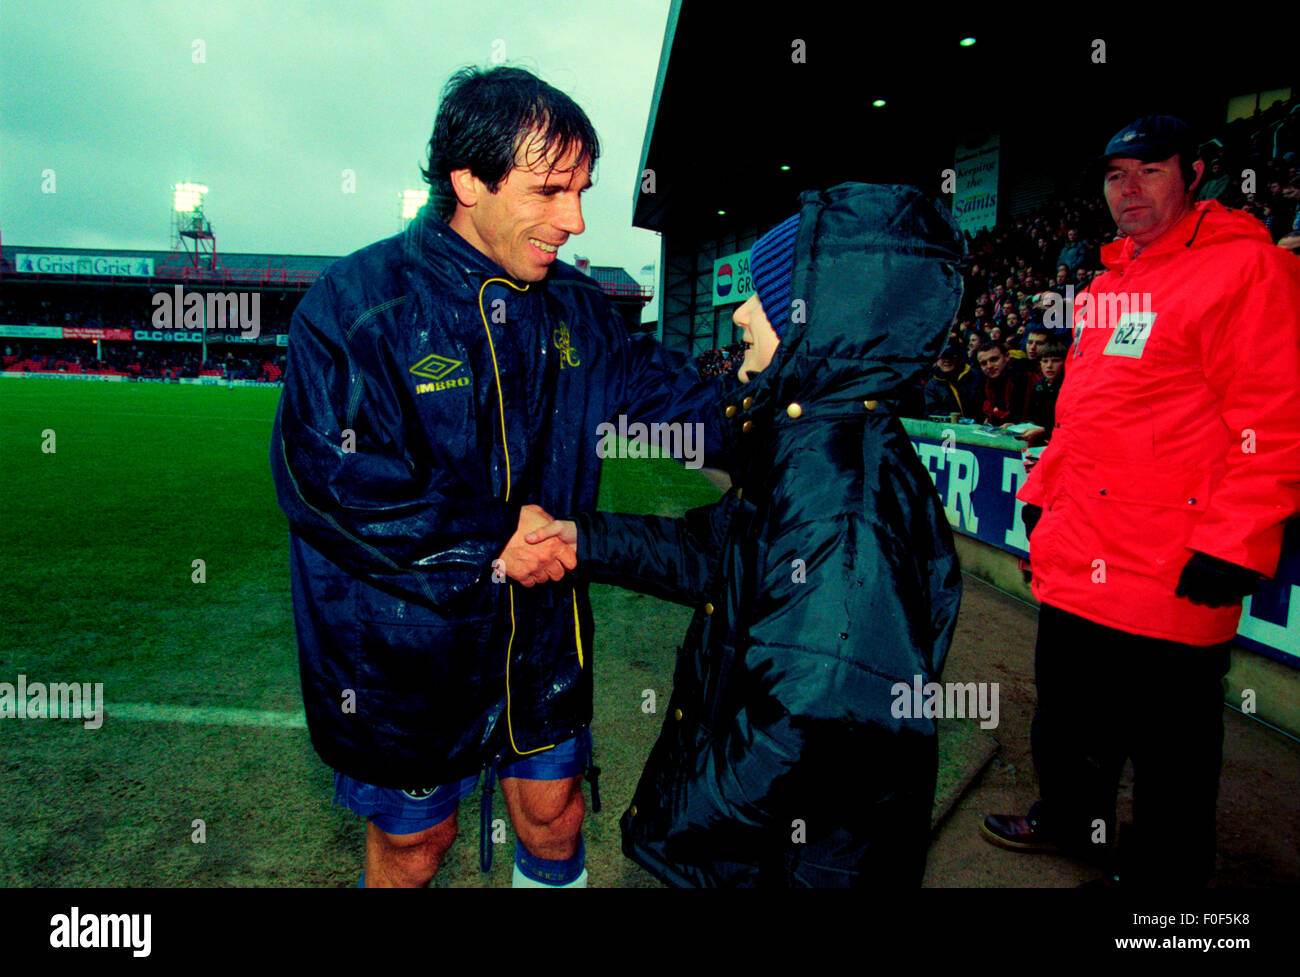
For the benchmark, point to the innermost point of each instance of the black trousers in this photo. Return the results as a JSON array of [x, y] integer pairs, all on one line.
[[1105, 696]]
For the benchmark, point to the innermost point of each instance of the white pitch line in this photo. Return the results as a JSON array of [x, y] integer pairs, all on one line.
[[215, 715]]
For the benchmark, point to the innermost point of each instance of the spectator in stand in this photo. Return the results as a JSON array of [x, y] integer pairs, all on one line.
[[1042, 257], [1035, 342], [954, 386], [1282, 209], [1042, 399], [1291, 240], [1006, 386], [1216, 184], [1073, 252], [1015, 331]]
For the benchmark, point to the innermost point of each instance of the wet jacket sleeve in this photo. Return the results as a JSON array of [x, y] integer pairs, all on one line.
[[666, 558], [662, 385], [350, 485], [1251, 357]]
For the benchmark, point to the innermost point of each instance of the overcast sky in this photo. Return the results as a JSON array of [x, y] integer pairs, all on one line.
[[283, 98]]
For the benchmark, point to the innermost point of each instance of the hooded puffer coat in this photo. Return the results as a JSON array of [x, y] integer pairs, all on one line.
[[822, 579]]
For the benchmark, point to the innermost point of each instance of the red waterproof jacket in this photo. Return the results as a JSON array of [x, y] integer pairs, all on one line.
[[1177, 427]]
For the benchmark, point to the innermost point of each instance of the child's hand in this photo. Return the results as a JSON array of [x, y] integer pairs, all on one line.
[[566, 530], [534, 564]]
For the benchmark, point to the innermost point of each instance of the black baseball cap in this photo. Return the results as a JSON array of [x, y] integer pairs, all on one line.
[[952, 352], [1151, 138]]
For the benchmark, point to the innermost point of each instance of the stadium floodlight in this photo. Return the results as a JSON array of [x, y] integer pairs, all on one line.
[[785, 168], [412, 201], [187, 197], [967, 42], [722, 213], [878, 103]]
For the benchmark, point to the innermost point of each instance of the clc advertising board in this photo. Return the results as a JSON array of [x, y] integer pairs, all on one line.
[[978, 486], [731, 279], [975, 199]]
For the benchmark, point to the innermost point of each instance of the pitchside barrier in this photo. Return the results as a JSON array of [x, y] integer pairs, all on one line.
[[978, 472]]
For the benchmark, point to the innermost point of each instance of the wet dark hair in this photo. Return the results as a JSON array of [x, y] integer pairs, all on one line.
[[1040, 329], [485, 117], [987, 346]]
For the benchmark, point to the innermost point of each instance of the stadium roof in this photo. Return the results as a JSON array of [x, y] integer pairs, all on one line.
[[732, 104]]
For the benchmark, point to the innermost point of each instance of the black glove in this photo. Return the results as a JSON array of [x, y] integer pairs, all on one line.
[[1031, 514], [1215, 583]]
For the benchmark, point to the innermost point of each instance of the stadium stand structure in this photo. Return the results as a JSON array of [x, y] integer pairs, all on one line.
[[90, 311]]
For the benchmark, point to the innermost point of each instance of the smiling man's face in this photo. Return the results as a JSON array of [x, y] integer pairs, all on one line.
[[534, 211]]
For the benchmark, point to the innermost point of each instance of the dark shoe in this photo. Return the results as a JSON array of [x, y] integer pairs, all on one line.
[[1016, 832]]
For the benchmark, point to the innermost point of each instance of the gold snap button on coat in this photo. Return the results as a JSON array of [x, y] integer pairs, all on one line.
[[747, 403], [632, 811], [708, 609], [747, 426], [730, 411], [794, 410], [869, 404], [677, 714], [740, 492]]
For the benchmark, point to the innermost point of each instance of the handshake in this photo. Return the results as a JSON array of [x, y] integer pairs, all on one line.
[[541, 549]]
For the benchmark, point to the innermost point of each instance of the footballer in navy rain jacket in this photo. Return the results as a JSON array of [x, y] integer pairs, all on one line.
[[822, 580], [406, 362]]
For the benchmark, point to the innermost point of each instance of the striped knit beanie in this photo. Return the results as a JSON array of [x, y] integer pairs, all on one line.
[[771, 263]]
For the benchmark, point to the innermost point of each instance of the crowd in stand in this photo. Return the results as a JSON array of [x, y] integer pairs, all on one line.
[[143, 361], [110, 307], [1007, 353], [716, 362], [114, 307]]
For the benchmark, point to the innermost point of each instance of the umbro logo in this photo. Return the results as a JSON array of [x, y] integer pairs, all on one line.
[[434, 367]]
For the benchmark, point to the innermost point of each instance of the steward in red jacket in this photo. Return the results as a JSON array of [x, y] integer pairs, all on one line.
[[1174, 463], [1180, 413]]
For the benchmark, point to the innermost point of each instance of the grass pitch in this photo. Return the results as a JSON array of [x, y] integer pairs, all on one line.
[[97, 559]]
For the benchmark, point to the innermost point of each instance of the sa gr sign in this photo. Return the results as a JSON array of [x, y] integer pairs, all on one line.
[[731, 279]]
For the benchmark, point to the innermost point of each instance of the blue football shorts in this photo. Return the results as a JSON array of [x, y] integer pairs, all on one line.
[[402, 812]]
